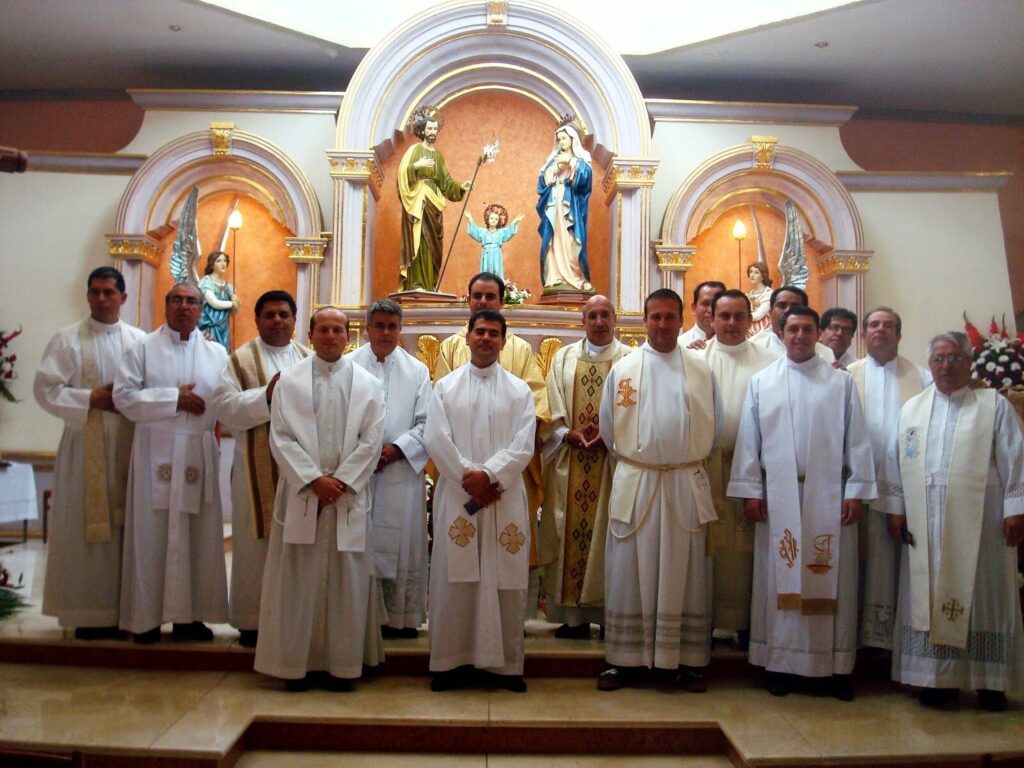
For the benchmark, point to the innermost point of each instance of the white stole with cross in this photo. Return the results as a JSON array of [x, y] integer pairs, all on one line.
[[946, 614]]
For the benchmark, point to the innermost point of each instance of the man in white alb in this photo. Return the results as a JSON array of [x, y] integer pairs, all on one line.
[[885, 381], [578, 475], [660, 418], [838, 327], [173, 567], [480, 435], [954, 490], [326, 430], [802, 467], [399, 496], [242, 403], [733, 360], [74, 383], [781, 300], [703, 327]]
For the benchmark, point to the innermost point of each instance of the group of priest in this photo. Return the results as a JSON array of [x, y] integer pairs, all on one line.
[[773, 487]]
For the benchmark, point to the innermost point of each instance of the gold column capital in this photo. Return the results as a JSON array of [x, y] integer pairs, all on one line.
[[306, 250], [674, 258], [839, 262], [220, 137], [626, 173], [764, 151], [134, 248], [497, 13], [357, 164]]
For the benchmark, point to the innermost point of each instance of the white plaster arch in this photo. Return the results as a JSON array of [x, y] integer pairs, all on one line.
[[254, 165], [827, 211], [540, 50]]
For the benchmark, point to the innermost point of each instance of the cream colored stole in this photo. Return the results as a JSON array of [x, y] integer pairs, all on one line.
[[908, 379], [947, 615], [260, 468], [104, 505], [700, 431], [804, 535]]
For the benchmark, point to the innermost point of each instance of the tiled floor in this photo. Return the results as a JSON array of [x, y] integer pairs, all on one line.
[[201, 715]]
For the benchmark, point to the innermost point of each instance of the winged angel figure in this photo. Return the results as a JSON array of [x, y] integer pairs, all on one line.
[[185, 255], [793, 261]]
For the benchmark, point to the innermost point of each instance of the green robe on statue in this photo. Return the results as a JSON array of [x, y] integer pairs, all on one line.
[[424, 192]]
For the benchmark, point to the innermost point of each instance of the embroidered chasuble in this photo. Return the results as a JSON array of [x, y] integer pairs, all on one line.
[[577, 482], [955, 467], [83, 568]]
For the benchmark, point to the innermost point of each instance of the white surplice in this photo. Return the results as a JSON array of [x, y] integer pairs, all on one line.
[[242, 409], [399, 495], [694, 333], [480, 419], [173, 568], [326, 419], [656, 571], [789, 640], [994, 657], [83, 580], [880, 574], [768, 339]]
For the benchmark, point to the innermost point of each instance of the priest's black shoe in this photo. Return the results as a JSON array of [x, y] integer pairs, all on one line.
[[98, 633], [514, 683], [196, 631], [841, 687], [991, 701], [298, 685], [338, 684], [579, 632], [449, 679], [247, 637], [148, 637], [393, 633], [939, 698], [779, 684], [691, 680]]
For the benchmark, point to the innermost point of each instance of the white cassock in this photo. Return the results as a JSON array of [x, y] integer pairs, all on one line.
[[242, 409], [83, 578], [882, 395], [480, 419], [695, 333], [731, 537], [656, 569], [326, 419], [173, 568], [574, 578], [994, 655], [796, 412], [399, 495], [848, 358], [766, 338]]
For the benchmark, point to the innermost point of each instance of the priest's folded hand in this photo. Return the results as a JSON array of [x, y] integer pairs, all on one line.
[[1013, 530], [189, 401], [754, 511], [478, 485], [102, 398], [328, 489], [852, 511]]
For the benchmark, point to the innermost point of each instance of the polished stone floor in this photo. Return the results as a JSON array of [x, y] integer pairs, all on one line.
[[213, 717]]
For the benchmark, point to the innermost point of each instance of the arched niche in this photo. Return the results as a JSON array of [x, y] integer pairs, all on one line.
[[218, 160], [757, 174], [526, 48]]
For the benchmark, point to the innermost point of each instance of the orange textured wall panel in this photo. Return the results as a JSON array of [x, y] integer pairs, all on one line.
[[526, 133]]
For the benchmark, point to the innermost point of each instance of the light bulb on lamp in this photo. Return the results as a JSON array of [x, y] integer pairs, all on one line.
[[739, 230], [235, 219]]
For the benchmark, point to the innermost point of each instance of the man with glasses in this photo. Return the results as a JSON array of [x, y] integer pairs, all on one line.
[[173, 569], [954, 493], [838, 327], [885, 381]]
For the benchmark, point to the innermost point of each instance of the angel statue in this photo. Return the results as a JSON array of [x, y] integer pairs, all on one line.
[[563, 190], [219, 300], [793, 261], [185, 253]]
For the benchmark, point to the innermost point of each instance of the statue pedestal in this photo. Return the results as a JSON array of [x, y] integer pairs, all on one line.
[[420, 296], [570, 298]]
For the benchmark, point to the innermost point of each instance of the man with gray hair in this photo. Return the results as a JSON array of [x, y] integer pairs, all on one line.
[[954, 492], [399, 503], [885, 381]]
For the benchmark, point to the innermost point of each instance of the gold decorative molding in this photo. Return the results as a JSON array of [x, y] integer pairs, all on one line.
[[627, 172], [548, 347], [764, 151], [632, 338], [134, 248], [674, 258], [306, 250], [357, 165], [220, 137], [497, 13], [844, 263], [429, 349]]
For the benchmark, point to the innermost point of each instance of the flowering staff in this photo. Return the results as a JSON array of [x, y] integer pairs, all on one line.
[[7, 366], [488, 154]]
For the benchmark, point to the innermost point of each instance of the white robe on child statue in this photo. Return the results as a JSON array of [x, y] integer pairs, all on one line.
[[83, 578], [480, 419], [326, 419], [173, 568], [399, 495], [797, 404]]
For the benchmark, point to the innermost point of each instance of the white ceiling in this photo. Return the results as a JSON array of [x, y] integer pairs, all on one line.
[[946, 56]]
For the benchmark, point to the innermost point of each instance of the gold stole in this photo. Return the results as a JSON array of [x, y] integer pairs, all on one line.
[[700, 430], [104, 505], [260, 467], [946, 615], [586, 468]]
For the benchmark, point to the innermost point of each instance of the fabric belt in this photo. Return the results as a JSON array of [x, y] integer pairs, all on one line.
[[659, 467]]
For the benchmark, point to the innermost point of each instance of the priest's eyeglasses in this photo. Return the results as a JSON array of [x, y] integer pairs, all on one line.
[[189, 300], [951, 358]]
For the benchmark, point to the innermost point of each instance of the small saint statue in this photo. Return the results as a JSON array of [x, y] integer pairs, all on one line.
[[496, 232]]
